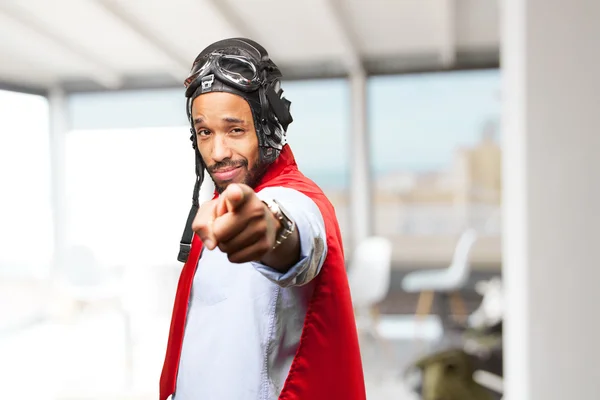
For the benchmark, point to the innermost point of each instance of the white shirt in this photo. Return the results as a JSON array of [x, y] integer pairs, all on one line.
[[244, 320]]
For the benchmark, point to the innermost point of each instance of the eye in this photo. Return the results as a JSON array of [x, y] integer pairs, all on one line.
[[203, 132], [237, 131]]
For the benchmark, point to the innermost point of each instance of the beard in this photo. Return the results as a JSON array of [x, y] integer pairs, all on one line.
[[252, 178]]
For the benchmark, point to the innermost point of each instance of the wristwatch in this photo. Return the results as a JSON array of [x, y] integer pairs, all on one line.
[[288, 226]]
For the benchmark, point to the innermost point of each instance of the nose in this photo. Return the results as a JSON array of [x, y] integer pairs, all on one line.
[[221, 150]]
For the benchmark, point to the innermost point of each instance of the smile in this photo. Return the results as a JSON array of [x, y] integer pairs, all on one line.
[[226, 174]]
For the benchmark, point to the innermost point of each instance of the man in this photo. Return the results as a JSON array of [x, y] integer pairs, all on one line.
[[263, 309]]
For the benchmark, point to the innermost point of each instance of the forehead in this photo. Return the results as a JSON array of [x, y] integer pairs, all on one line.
[[220, 104]]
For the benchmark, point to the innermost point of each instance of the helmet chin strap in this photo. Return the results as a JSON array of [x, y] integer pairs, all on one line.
[[185, 244]]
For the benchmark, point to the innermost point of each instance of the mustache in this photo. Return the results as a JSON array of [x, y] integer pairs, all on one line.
[[227, 163]]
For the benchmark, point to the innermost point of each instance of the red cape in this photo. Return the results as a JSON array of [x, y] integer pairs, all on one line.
[[327, 365]]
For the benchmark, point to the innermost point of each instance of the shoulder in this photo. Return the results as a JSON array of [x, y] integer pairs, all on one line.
[[295, 181], [288, 196], [295, 186]]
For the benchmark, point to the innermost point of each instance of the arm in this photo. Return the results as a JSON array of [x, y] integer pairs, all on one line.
[[300, 257], [245, 229]]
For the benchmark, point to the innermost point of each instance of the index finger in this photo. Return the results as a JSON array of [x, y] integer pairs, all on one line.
[[236, 195]]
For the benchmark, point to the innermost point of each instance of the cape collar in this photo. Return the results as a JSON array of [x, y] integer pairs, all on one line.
[[286, 159]]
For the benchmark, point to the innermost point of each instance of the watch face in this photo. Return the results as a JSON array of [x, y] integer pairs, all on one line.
[[276, 210]]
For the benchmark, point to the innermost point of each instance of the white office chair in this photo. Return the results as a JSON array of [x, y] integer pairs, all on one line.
[[445, 281], [491, 310], [369, 279]]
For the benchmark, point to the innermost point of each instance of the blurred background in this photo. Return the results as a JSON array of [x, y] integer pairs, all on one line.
[[400, 115]]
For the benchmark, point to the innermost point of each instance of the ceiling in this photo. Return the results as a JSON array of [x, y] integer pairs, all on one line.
[[88, 45]]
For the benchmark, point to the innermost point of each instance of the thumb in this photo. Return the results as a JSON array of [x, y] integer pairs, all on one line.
[[234, 197], [202, 224]]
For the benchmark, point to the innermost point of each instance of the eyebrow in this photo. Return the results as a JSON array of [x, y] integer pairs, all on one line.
[[231, 120]]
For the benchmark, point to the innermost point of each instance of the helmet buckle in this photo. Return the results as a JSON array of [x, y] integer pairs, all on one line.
[[207, 82]]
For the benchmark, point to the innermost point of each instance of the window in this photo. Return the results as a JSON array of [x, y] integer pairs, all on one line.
[[319, 138], [436, 160], [129, 192], [25, 216]]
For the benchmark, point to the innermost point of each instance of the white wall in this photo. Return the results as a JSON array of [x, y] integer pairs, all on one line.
[[551, 92]]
